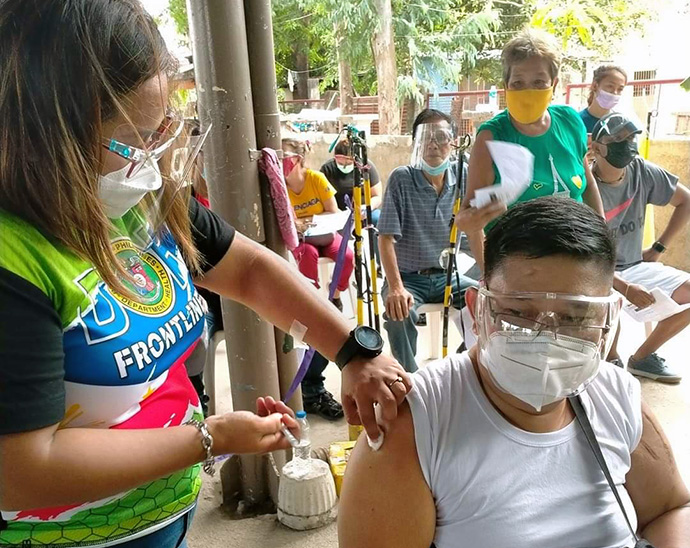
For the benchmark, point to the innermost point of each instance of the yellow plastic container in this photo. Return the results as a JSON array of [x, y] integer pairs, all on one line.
[[354, 430], [339, 454]]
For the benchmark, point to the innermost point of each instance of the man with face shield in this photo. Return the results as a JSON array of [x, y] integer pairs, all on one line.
[[627, 183], [488, 446], [414, 230]]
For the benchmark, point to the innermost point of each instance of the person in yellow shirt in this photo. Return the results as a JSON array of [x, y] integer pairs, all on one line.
[[311, 194]]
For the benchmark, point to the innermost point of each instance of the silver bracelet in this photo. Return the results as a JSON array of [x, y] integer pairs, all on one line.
[[207, 444]]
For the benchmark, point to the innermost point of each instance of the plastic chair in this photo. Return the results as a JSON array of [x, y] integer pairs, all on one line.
[[325, 279], [434, 319]]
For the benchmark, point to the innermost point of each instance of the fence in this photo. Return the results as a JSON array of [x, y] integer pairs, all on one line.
[[662, 107], [469, 109], [360, 105]]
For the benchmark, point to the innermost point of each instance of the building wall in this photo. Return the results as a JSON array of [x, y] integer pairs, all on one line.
[[673, 156], [389, 152]]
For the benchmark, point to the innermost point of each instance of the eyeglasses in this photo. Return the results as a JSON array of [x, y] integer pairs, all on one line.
[[174, 135], [440, 136]]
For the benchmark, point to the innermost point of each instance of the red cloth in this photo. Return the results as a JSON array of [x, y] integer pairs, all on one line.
[[307, 257]]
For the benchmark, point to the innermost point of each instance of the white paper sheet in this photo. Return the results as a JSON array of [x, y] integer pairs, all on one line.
[[327, 223], [663, 307], [515, 164]]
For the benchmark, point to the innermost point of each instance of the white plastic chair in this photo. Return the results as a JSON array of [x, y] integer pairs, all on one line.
[[434, 320], [325, 271]]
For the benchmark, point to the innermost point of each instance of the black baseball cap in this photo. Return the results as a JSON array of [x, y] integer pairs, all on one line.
[[614, 128]]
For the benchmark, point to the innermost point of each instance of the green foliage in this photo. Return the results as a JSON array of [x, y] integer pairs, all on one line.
[[437, 41], [591, 28], [178, 12]]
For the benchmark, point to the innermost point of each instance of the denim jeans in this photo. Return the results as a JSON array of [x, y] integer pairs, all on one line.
[[312, 384], [425, 288], [171, 536]]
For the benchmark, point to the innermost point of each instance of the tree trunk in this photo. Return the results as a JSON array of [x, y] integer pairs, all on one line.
[[302, 74], [344, 77], [302, 66], [383, 46]]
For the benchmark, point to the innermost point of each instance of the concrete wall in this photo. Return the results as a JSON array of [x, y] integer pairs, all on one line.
[[673, 156], [386, 151], [389, 152]]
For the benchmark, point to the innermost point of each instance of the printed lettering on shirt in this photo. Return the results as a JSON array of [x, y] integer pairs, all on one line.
[[306, 205]]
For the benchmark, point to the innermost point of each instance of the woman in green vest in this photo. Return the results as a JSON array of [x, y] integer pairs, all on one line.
[[102, 438], [555, 134]]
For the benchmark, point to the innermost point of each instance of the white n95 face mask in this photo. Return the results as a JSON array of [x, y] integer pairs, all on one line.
[[540, 369], [119, 194]]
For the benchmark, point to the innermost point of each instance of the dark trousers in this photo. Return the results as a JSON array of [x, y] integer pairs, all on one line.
[[312, 384]]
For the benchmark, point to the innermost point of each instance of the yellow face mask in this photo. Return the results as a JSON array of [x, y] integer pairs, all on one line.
[[528, 105]]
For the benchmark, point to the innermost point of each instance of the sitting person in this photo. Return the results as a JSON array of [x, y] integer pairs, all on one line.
[[608, 84], [554, 134], [311, 194], [486, 452], [414, 230], [339, 172], [628, 183]]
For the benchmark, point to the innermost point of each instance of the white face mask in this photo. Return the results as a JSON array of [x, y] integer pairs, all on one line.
[[607, 100], [540, 369], [346, 168], [119, 194]]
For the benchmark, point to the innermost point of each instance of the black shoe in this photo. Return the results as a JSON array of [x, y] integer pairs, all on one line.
[[338, 303], [421, 320], [324, 405]]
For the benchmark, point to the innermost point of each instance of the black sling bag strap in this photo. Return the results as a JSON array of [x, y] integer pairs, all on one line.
[[582, 418]]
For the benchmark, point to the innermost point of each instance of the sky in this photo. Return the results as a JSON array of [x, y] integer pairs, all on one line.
[[155, 7]]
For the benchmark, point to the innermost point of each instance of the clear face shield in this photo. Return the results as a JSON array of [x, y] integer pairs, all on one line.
[[543, 347], [432, 148], [156, 166]]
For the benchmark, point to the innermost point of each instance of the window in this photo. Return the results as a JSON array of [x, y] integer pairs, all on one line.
[[646, 90], [683, 123]]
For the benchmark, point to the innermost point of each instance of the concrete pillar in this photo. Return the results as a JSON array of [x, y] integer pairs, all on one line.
[[219, 45]]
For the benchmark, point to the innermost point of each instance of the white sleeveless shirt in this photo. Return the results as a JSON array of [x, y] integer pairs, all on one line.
[[497, 486]]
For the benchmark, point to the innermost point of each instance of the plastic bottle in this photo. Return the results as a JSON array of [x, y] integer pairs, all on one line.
[[493, 98], [303, 450]]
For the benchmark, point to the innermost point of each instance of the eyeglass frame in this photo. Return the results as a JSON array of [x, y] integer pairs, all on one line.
[[136, 155]]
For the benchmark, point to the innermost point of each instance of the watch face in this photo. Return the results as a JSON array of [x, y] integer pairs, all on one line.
[[369, 338]]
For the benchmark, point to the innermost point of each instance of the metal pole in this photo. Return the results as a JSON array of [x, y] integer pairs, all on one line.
[[267, 121], [219, 45]]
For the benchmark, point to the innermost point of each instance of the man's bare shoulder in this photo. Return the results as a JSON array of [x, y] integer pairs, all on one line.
[[374, 504]]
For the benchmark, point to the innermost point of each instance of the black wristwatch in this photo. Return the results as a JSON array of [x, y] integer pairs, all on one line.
[[363, 342], [658, 247]]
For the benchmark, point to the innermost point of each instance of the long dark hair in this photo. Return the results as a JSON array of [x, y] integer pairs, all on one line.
[[66, 67]]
